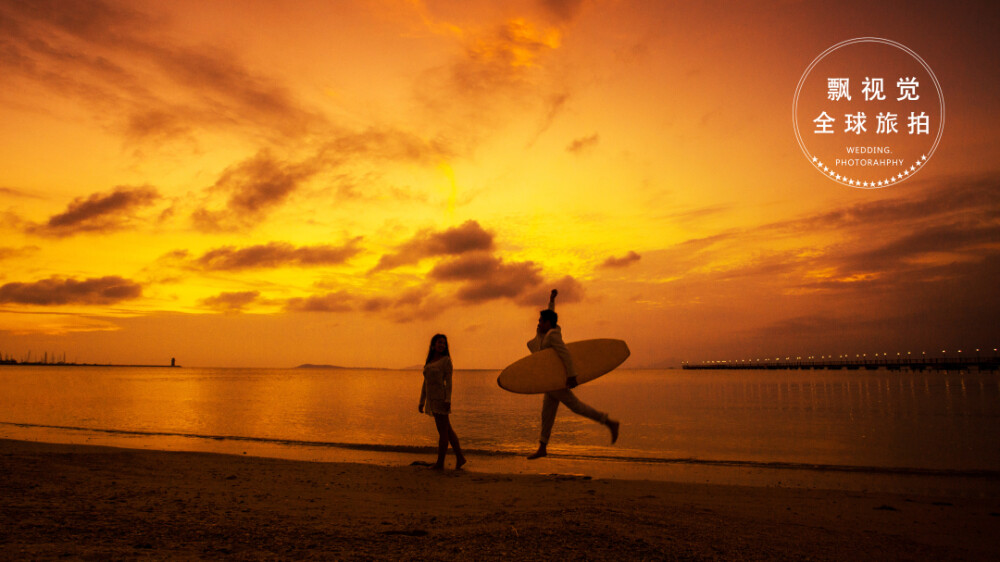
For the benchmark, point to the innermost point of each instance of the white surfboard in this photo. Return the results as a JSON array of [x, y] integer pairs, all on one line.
[[544, 371]]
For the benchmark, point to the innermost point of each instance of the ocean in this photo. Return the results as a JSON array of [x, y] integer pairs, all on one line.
[[898, 431]]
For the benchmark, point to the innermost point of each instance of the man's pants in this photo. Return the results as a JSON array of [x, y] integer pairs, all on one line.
[[551, 403]]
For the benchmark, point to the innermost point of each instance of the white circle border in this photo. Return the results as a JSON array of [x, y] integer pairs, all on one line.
[[831, 174]]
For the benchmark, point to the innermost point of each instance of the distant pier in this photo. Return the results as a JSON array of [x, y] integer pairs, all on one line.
[[991, 363]]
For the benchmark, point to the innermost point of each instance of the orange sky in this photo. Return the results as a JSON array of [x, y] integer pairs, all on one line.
[[274, 183]]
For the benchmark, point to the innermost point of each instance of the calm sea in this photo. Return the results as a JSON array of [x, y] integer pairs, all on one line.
[[869, 428]]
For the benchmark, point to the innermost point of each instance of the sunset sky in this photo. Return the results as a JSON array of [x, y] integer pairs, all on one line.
[[269, 183]]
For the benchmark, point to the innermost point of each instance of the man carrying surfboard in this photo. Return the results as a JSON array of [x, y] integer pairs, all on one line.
[[549, 334]]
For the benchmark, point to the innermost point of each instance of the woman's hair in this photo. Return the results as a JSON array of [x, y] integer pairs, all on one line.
[[430, 352]]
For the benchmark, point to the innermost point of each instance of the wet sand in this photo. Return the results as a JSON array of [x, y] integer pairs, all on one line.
[[77, 501]]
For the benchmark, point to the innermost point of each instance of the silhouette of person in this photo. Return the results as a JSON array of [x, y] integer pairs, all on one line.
[[549, 334], [435, 398]]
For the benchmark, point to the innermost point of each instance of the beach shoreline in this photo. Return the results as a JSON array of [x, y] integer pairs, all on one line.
[[83, 501]]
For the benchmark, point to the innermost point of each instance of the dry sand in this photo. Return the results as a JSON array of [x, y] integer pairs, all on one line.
[[75, 501]]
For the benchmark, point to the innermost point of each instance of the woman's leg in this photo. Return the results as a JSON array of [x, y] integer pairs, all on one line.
[[443, 427], [453, 439]]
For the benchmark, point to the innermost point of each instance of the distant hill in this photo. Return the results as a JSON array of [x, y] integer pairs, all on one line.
[[311, 366]]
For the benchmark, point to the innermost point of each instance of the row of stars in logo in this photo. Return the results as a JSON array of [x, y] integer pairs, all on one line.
[[859, 183]]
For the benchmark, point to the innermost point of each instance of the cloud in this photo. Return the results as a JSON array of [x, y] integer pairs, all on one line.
[[484, 277], [122, 63], [570, 290], [271, 255], [564, 10], [57, 291], [339, 301], [941, 222], [231, 301], [253, 186], [583, 143], [915, 267], [929, 232], [466, 257], [624, 261], [468, 237], [503, 57], [554, 107], [419, 303], [495, 63], [11, 192], [8, 252], [99, 212], [907, 250]]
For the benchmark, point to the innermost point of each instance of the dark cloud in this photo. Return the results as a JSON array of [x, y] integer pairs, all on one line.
[[931, 200], [103, 53], [271, 255], [502, 60], [695, 215], [56, 291], [384, 144], [583, 143], [934, 230], [241, 95], [11, 192], [905, 251], [410, 305], [413, 304], [156, 124], [479, 265], [7, 252], [570, 290], [624, 261], [468, 237], [870, 243], [467, 258], [553, 108], [563, 10], [950, 307], [253, 187], [99, 212], [916, 268], [484, 277], [329, 302], [232, 301]]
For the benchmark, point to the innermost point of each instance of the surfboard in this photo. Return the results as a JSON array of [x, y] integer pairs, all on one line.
[[544, 371]]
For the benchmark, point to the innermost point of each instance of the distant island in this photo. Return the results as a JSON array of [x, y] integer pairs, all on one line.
[[311, 366]]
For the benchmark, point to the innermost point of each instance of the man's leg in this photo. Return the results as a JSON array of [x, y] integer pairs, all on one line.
[[567, 397], [550, 404]]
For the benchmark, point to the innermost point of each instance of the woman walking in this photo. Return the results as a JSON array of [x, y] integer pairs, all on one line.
[[435, 398]]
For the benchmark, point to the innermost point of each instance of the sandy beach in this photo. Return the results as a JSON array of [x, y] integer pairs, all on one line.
[[86, 502]]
